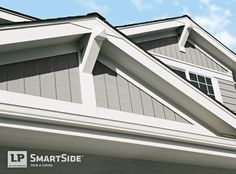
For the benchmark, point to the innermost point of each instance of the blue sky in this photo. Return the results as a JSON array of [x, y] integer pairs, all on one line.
[[216, 16]]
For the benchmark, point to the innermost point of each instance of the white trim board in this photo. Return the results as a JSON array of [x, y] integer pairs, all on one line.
[[13, 18]]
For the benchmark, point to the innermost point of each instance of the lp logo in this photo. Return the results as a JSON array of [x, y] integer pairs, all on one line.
[[17, 159]]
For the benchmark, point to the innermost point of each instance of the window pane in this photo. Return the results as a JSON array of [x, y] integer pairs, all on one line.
[[201, 79], [203, 88], [203, 83], [195, 84], [193, 76], [180, 73], [208, 81], [210, 90]]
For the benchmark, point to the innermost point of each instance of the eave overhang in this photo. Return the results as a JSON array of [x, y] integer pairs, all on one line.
[[83, 133]]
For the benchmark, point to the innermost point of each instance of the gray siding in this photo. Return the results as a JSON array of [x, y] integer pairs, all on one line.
[[53, 77], [228, 93], [169, 47], [115, 92]]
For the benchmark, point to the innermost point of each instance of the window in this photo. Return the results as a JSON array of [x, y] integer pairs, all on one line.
[[202, 83], [180, 73]]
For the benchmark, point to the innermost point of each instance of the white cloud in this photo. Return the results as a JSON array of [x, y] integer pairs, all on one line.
[[216, 20], [92, 6], [140, 5]]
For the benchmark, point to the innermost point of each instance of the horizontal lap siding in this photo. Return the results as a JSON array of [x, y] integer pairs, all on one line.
[[228, 93], [54, 77], [169, 47], [114, 92]]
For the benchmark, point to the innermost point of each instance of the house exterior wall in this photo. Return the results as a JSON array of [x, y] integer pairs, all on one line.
[[169, 47], [114, 92], [54, 77]]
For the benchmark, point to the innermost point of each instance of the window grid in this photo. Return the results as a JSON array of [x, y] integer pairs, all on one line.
[[203, 83]]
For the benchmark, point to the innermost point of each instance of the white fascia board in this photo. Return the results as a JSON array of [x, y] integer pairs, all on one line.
[[28, 34], [48, 137], [146, 28], [12, 18], [167, 75], [215, 43]]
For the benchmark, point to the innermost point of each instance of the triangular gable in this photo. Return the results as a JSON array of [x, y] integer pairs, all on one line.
[[115, 92]]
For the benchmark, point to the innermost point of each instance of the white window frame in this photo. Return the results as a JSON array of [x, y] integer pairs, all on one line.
[[214, 80]]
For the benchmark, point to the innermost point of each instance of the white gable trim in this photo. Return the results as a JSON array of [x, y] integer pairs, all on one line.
[[12, 18], [40, 33], [145, 28]]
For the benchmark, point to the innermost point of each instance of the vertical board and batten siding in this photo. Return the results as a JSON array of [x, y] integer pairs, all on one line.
[[54, 77], [228, 93], [169, 47], [114, 92]]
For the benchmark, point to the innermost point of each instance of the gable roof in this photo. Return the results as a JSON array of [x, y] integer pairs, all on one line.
[[213, 114]]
